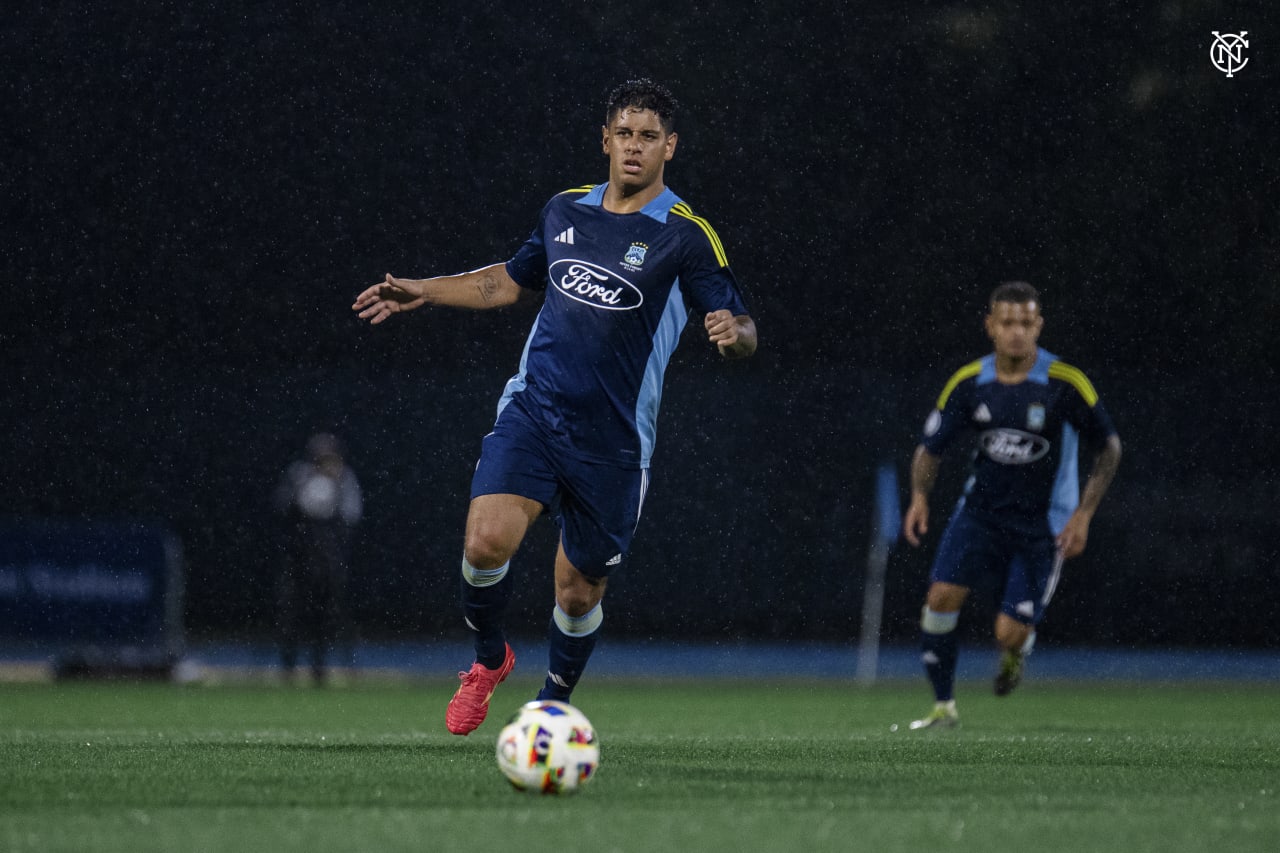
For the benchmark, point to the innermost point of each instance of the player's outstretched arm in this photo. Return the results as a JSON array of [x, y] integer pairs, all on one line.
[[924, 473], [735, 335], [482, 289], [1075, 533]]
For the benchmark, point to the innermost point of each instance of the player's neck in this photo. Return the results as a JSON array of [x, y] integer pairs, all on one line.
[[619, 198], [1010, 370]]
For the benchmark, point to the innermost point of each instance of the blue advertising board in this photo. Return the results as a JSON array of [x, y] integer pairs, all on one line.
[[109, 590]]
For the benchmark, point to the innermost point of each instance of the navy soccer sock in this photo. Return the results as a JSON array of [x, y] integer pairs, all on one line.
[[572, 640], [940, 651], [484, 600]]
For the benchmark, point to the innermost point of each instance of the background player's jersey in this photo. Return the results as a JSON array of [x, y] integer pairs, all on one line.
[[1025, 467], [621, 287]]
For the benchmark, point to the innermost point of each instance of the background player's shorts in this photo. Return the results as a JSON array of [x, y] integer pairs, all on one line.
[[597, 506], [973, 552]]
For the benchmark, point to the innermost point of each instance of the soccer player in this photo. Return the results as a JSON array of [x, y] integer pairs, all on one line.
[[621, 266], [1022, 512]]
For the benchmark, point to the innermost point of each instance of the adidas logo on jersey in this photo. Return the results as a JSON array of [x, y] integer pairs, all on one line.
[[614, 560], [565, 236], [982, 414]]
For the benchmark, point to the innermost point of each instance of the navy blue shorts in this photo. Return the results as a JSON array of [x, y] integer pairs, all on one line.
[[596, 505], [973, 552]]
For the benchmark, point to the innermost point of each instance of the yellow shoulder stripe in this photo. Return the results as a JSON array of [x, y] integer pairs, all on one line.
[[1077, 380], [970, 369], [682, 209], [585, 188]]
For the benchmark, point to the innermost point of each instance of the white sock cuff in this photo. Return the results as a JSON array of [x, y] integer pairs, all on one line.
[[933, 622], [483, 577], [578, 626]]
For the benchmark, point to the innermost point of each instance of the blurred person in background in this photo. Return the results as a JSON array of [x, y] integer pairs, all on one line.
[[320, 503]]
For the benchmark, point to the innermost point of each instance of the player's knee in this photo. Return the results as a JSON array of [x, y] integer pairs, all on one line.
[[579, 595], [487, 548], [946, 597], [1012, 634]]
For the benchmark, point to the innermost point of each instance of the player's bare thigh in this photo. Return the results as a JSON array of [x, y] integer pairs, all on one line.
[[496, 525]]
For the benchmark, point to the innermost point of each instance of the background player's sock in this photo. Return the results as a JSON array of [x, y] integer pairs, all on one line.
[[572, 639], [484, 600], [940, 650]]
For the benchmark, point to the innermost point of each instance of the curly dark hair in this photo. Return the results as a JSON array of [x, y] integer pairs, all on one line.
[[643, 94]]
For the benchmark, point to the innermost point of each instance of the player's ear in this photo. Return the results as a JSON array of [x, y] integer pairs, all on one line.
[[672, 139], [604, 138]]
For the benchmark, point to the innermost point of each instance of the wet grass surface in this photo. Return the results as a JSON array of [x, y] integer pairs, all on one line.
[[780, 765]]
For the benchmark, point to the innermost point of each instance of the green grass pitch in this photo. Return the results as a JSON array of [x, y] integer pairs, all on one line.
[[686, 766]]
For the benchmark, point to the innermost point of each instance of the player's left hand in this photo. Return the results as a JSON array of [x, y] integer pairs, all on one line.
[[722, 328], [1074, 536]]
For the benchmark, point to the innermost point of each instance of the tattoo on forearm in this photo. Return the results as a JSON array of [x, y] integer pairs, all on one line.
[[487, 287]]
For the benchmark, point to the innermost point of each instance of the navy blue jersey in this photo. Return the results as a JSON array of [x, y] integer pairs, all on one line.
[[619, 290], [1025, 466]]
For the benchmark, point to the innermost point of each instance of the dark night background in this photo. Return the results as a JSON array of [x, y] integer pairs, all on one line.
[[192, 195]]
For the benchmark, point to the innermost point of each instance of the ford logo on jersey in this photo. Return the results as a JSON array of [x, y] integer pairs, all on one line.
[[595, 286], [1013, 446]]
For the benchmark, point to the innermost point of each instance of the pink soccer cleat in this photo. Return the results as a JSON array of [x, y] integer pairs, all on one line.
[[470, 705]]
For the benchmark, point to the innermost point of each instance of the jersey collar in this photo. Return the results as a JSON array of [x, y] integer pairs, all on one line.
[[657, 209], [1039, 372]]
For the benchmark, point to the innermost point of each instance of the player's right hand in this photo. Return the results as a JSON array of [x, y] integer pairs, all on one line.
[[385, 298]]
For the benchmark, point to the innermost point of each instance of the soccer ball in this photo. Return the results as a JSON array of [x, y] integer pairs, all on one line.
[[548, 748]]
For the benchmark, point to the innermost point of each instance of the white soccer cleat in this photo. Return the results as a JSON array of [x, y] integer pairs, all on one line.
[[943, 716]]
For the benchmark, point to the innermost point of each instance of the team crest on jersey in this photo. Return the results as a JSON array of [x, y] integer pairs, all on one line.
[[1035, 417], [634, 256]]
